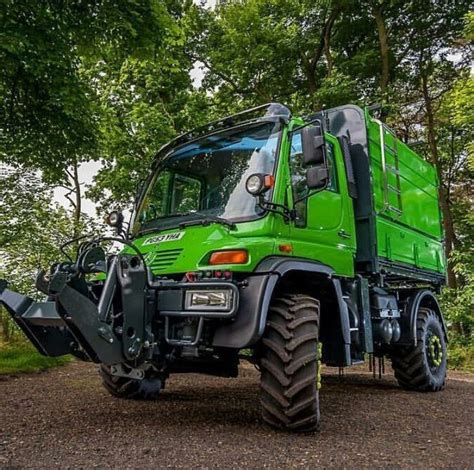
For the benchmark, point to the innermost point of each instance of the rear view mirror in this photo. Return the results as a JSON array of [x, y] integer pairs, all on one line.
[[317, 177], [313, 145]]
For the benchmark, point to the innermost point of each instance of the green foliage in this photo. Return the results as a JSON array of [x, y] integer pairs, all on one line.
[[49, 113], [44, 109], [458, 304], [22, 357], [461, 357], [258, 51], [32, 230], [458, 151]]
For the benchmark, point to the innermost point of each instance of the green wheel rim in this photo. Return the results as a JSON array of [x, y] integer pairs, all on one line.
[[434, 350]]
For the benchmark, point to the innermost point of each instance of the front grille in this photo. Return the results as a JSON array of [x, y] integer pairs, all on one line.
[[163, 259]]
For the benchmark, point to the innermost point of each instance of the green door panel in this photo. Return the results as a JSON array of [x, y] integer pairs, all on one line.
[[325, 211], [324, 230]]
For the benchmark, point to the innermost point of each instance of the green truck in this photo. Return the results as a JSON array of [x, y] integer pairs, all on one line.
[[289, 241]]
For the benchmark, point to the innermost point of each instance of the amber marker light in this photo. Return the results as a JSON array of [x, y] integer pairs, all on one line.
[[229, 257], [269, 181], [285, 248]]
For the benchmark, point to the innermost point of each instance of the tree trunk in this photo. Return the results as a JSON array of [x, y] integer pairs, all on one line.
[[384, 50], [327, 38], [310, 61], [450, 235], [78, 200]]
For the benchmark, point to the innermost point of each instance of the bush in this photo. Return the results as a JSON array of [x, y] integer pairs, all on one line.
[[461, 357]]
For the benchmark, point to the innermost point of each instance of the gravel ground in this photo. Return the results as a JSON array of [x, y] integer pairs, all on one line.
[[64, 418]]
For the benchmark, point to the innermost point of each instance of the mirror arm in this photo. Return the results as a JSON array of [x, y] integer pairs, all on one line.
[[308, 195], [287, 214], [306, 124]]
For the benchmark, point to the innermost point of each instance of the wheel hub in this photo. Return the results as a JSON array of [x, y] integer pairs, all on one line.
[[435, 350]]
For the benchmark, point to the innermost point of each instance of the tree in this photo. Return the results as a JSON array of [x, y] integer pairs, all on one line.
[[456, 143], [256, 51], [49, 109], [429, 67], [145, 102], [32, 229]]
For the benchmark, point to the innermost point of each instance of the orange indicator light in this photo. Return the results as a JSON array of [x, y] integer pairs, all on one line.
[[285, 248], [229, 257]]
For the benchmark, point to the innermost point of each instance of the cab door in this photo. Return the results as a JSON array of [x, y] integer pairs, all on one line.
[[324, 228]]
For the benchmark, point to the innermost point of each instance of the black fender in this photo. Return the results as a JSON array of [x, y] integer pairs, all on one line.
[[255, 297], [421, 298]]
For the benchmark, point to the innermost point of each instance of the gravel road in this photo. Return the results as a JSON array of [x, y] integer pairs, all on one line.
[[64, 418]]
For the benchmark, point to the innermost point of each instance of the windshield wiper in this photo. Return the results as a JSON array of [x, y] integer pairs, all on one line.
[[206, 220], [148, 230]]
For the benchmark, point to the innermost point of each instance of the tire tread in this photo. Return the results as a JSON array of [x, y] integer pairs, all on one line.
[[289, 393]]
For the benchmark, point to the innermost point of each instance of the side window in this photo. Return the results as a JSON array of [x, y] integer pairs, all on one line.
[[298, 176], [186, 194], [156, 201]]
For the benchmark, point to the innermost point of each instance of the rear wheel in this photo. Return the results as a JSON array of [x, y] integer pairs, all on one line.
[[123, 387], [289, 363], [423, 367]]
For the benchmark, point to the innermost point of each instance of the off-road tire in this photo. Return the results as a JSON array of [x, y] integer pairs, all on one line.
[[289, 364], [123, 387], [414, 367]]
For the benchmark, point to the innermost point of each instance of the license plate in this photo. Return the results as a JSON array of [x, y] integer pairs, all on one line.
[[169, 237]]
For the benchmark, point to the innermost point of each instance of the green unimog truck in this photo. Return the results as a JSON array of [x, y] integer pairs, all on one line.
[[299, 240]]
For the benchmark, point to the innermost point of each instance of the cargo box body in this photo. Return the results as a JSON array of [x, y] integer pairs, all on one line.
[[398, 220]]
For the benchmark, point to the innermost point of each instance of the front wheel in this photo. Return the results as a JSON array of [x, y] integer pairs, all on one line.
[[289, 363], [423, 367]]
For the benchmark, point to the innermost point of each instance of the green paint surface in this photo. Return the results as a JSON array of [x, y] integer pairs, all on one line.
[[412, 236]]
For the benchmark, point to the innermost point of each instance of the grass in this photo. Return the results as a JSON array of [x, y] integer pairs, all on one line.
[[22, 358]]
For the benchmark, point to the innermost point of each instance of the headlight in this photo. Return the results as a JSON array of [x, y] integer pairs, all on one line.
[[208, 299], [259, 183]]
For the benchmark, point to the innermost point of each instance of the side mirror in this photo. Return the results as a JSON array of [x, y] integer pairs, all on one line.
[[313, 145], [317, 177], [115, 219]]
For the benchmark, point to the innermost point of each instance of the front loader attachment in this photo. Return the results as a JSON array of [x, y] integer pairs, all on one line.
[[76, 321], [39, 321]]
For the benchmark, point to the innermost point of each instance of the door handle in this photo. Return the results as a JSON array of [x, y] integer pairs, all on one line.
[[343, 234]]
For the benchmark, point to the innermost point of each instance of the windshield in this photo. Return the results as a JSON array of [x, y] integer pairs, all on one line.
[[206, 178]]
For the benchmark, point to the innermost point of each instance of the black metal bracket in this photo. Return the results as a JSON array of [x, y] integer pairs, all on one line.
[[132, 277], [287, 214], [179, 342]]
